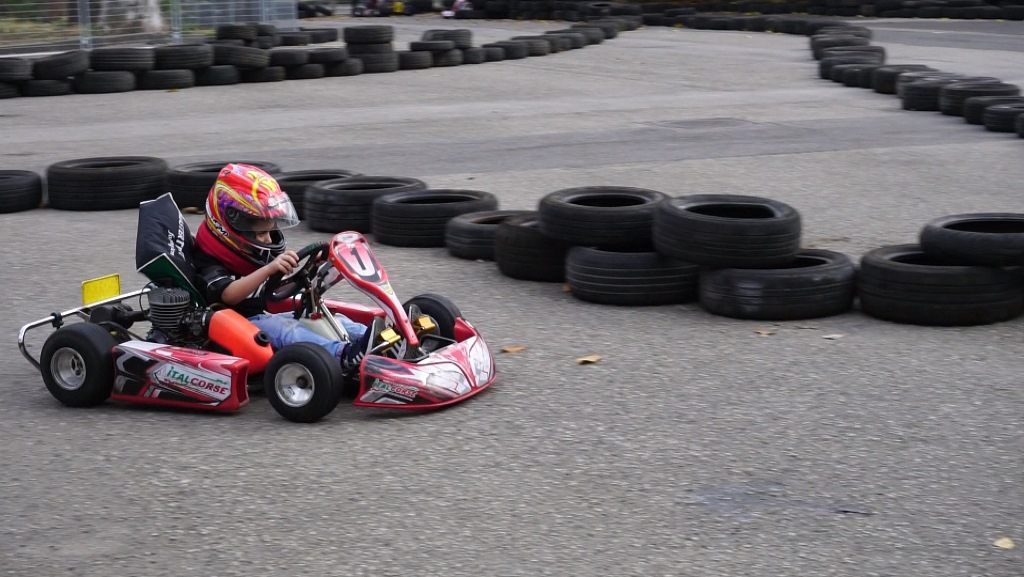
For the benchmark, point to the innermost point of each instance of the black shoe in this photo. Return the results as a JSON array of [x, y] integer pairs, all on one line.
[[355, 351]]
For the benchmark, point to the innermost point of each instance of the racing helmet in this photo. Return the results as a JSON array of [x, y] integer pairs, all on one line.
[[241, 202]]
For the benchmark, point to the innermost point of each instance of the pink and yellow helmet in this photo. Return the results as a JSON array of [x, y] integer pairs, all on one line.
[[243, 196]]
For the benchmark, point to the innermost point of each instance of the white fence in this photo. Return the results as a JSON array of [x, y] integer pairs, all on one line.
[[29, 25]]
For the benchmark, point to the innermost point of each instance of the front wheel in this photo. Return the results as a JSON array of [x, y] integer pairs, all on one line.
[[303, 382], [439, 308], [77, 364]]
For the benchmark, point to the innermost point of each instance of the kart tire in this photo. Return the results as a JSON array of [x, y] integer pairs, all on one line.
[[727, 231], [105, 183], [990, 239], [303, 382], [346, 203], [522, 250], [471, 235], [77, 364], [903, 284], [189, 184], [610, 217], [296, 182], [418, 218], [20, 190], [438, 307], [818, 283], [627, 278]]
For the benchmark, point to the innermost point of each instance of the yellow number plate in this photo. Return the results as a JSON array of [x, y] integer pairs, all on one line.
[[97, 289]]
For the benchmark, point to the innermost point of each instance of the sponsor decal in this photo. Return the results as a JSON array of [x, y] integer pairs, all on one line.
[[198, 381], [403, 391]]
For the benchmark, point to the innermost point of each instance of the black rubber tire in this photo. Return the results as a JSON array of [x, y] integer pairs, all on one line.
[[444, 58], [629, 278], [178, 56], [20, 190], [8, 90], [314, 366], [727, 231], [308, 71], [368, 34], [431, 45], [825, 65], [296, 182], [189, 184], [218, 75], [247, 32], [105, 82], [45, 88], [327, 54], [512, 50], [990, 239], [268, 74], [474, 56], [522, 251], [77, 364], [15, 69], [1002, 117], [471, 235], [60, 66], [415, 60], [974, 107], [612, 217], [347, 67], [288, 57], [419, 218], [166, 79], [378, 63], [381, 48], [321, 35], [346, 203], [817, 283], [121, 58], [953, 95], [883, 79], [105, 183], [903, 284], [438, 307], [295, 38], [244, 57]]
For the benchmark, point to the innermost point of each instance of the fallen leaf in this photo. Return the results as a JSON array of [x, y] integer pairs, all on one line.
[[764, 332], [513, 349], [566, 288], [833, 337], [588, 360], [1004, 543], [191, 210]]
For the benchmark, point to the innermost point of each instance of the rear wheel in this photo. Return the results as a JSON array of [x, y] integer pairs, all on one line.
[[77, 364], [303, 382]]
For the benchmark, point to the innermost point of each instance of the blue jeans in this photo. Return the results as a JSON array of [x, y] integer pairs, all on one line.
[[283, 329]]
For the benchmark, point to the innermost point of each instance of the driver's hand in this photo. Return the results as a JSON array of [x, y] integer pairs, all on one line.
[[285, 262]]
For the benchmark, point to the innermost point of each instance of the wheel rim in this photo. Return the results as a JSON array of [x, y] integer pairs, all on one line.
[[294, 385], [68, 369]]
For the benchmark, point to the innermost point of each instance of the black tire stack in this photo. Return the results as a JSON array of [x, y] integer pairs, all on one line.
[[190, 183], [372, 45], [845, 55]]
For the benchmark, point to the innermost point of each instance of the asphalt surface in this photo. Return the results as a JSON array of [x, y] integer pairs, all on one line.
[[697, 445]]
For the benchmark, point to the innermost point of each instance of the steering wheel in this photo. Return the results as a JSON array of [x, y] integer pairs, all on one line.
[[279, 288]]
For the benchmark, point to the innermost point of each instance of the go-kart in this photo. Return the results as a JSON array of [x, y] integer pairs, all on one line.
[[423, 354]]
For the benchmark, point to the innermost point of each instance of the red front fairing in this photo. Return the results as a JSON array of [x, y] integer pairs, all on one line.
[[446, 376], [156, 374]]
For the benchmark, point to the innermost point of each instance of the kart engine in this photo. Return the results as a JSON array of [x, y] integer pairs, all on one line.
[[175, 318]]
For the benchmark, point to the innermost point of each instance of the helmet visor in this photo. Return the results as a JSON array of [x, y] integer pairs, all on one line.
[[280, 216]]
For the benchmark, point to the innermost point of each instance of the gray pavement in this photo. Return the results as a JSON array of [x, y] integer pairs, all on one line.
[[698, 445]]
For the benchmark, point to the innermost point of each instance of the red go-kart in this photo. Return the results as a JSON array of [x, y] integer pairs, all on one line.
[[423, 354]]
